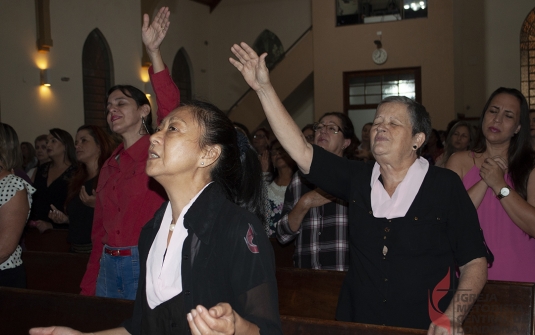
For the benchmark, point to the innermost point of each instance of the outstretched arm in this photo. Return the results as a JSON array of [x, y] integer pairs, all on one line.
[[153, 35], [167, 94], [254, 71]]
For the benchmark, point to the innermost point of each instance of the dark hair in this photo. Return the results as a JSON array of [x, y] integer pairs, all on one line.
[[292, 166], [31, 153], [40, 138], [10, 152], [106, 146], [65, 138], [242, 127], [348, 131], [437, 135], [308, 126], [139, 97], [265, 130], [420, 119], [237, 171], [449, 149], [520, 154]]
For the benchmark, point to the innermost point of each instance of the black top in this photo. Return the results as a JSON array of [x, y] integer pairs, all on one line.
[[439, 232], [55, 194], [226, 256], [80, 217]]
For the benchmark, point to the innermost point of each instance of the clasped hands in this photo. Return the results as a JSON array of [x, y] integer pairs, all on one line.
[[493, 171]]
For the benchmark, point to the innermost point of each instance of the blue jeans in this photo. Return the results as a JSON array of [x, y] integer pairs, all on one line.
[[118, 275]]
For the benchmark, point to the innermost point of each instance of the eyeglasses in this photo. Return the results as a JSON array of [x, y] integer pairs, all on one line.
[[331, 128], [310, 138]]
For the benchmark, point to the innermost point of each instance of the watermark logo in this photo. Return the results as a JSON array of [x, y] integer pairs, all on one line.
[[435, 314]]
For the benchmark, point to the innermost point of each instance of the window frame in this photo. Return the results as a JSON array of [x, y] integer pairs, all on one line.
[[373, 73]]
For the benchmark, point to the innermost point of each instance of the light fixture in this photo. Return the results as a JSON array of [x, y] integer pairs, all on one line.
[[44, 77], [414, 5]]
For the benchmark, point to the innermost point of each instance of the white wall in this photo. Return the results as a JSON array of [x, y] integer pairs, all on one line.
[[502, 45], [32, 109]]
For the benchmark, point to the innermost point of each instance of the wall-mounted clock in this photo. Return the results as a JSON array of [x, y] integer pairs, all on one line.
[[379, 56]]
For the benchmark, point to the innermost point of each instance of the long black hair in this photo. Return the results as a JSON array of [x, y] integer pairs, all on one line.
[[520, 155], [64, 137], [139, 97], [238, 168]]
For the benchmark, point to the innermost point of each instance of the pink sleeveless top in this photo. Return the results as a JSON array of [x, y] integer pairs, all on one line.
[[514, 250]]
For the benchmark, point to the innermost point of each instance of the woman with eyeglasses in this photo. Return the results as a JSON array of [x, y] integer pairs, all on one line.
[[314, 219]]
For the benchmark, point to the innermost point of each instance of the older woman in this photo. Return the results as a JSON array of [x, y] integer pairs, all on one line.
[[460, 138], [15, 203], [126, 198], [410, 224], [203, 248], [498, 174]]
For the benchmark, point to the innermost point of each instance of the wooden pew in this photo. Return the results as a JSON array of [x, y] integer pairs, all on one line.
[[309, 293], [54, 271], [502, 307], [52, 240], [23, 309], [283, 253], [294, 325], [27, 308]]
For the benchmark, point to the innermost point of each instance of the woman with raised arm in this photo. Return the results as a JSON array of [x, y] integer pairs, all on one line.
[[410, 224], [126, 198], [206, 264], [498, 174]]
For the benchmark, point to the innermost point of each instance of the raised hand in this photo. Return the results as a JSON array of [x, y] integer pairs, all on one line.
[[252, 67], [154, 33], [88, 200]]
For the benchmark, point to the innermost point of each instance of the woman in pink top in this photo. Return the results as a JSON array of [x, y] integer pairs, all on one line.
[[498, 175]]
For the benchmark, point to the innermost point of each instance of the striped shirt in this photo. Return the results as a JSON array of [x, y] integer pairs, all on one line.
[[321, 242]]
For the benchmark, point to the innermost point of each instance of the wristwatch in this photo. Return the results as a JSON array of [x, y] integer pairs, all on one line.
[[504, 191]]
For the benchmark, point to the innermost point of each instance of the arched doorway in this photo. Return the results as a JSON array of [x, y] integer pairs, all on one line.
[[181, 75], [527, 58], [97, 67]]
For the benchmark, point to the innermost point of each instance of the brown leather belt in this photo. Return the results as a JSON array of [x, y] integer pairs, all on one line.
[[118, 252]]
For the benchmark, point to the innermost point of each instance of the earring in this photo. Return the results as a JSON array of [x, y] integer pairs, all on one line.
[[414, 147], [143, 130], [202, 163]]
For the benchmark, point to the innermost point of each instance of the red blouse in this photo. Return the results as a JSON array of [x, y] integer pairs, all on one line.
[[126, 198]]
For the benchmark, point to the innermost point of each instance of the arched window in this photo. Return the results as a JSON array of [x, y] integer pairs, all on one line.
[[181, 75], [97, 67], [268, 42], [527, 58]]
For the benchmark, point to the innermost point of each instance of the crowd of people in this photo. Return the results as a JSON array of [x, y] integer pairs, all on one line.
[[178, 218]]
